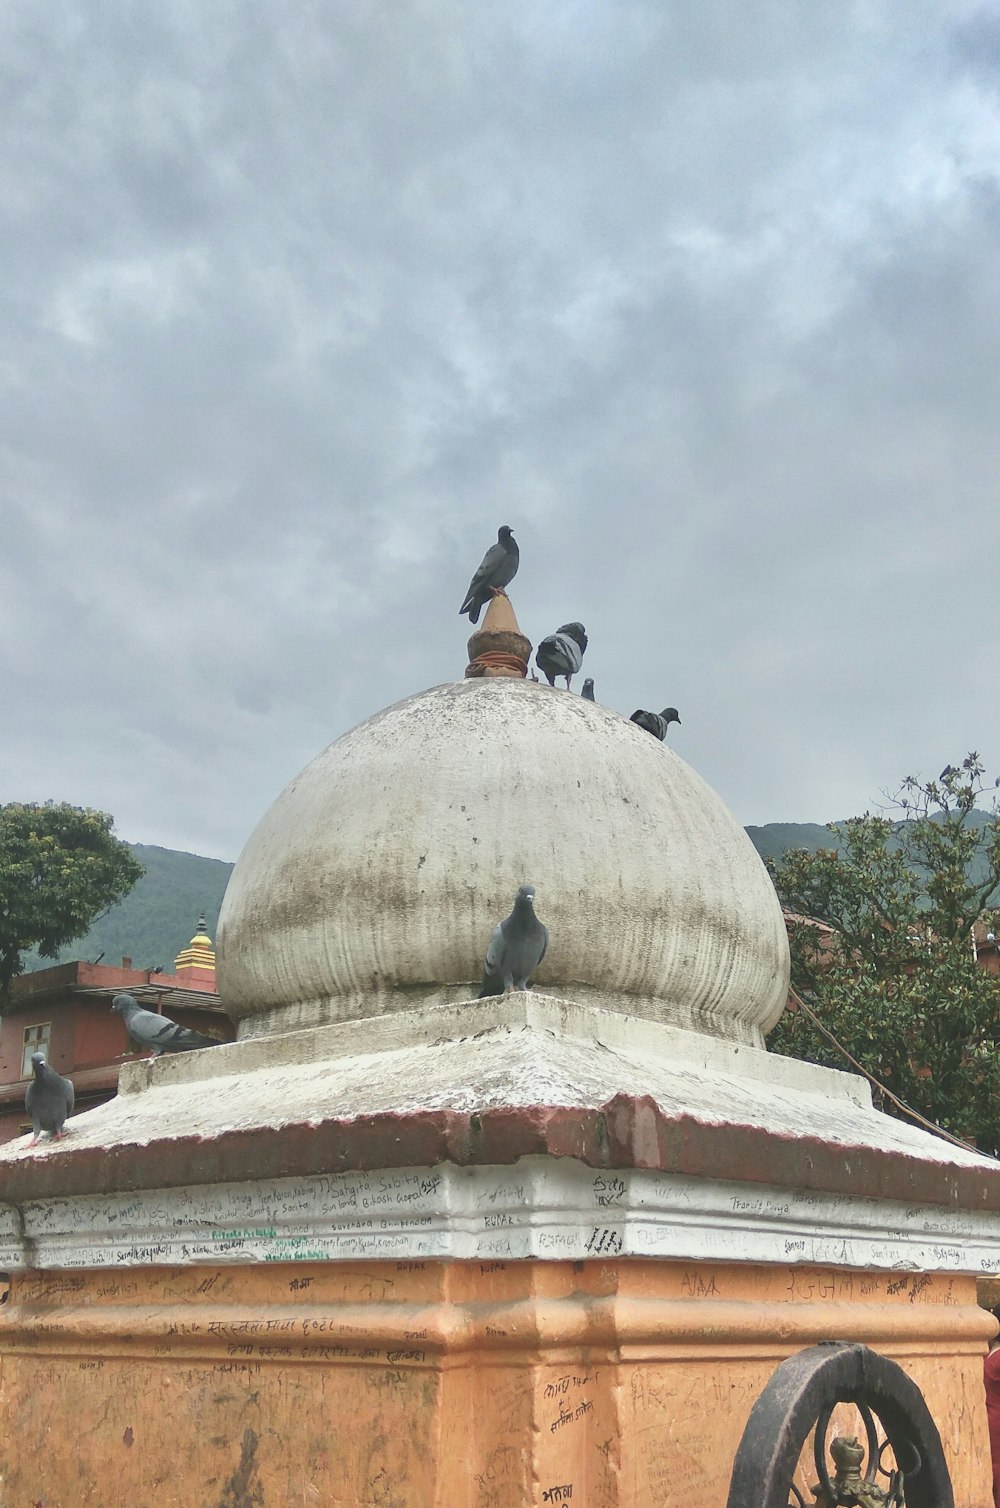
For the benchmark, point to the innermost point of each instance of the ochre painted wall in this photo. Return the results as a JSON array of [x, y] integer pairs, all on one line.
[[59, 1015], [99, 1035], [442, 1385]]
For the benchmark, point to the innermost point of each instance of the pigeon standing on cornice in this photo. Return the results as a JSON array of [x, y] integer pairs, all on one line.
[[516, 948], [49, 1100], [148, 1030]]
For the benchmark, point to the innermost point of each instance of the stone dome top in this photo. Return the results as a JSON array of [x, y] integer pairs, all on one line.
[[375, 880]]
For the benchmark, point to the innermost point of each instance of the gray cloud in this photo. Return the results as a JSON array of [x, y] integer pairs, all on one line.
[[300, 304]]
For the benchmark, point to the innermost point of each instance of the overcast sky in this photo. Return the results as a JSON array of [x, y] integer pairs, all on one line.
[[301, 302]]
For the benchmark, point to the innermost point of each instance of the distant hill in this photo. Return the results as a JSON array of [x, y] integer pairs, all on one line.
[[159, 917], [776, 838]]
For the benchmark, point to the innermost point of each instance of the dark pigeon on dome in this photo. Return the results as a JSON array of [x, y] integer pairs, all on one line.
[[49, 1100], [656, 723], [588, 689], [562, 652], [497, 571], [148, 1030], [516, 948]]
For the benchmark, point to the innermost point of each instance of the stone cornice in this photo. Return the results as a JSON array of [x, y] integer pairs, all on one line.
[[555, 1209], [624, 1134], [487, 1084]]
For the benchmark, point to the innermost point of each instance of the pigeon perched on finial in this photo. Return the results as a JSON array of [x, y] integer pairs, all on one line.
[[562, 652], [497, 571], [656, 723], [50, 1098], [516, 948], [147, 1030], [588, 689]]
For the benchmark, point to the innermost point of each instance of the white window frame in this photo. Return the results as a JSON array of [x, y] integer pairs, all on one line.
[[36, 1039]]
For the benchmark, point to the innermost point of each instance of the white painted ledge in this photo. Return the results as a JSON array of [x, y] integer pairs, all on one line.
[[543, 1207], [431, 1028]]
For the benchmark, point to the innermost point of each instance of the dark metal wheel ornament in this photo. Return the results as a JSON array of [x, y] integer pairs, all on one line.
[[802, 1395]]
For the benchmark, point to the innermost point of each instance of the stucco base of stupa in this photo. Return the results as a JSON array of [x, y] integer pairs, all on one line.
[[429, 1384], [473, 1255]]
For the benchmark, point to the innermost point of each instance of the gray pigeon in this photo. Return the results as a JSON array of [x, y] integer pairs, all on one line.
[[497, 571], [562, 652], [588, 690], [656, 723], [516, 948], [50, 1098], [148, 1030]]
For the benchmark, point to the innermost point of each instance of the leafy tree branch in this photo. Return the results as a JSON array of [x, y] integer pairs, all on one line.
[[60, 867], [881, 933]]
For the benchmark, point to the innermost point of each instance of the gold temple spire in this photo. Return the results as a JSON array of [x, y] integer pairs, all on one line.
[[199, 953]]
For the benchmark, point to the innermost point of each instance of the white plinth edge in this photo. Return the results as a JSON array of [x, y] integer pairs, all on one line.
[[542, 1207]]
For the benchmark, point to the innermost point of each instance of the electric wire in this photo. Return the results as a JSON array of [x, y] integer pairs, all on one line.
[[914, 1115]]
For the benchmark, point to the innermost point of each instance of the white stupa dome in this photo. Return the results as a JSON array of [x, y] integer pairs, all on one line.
[[374, 881]]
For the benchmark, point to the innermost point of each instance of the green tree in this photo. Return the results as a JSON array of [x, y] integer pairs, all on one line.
[[60, 866], [895, 976]]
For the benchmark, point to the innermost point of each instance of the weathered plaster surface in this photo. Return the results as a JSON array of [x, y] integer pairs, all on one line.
[[496, 1021], [542, 1207], [602, 1383], [376, 878], [693, 1145]]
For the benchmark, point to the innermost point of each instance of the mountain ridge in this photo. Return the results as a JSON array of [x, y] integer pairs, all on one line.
[[159, 916]]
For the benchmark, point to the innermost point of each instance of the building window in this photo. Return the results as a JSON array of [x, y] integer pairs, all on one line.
[[36, 1039]]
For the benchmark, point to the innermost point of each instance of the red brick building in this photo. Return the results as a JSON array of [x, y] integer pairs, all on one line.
[[987, 948], [66, 1013]]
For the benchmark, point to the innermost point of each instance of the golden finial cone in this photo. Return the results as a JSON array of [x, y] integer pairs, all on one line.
[[498, 648]]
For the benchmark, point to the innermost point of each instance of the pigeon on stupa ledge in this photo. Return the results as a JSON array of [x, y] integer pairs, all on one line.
[[562, 653], [656, 723], [497, 571], [148, 1030], [49, 1100], [516, 948], [588, 689]]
